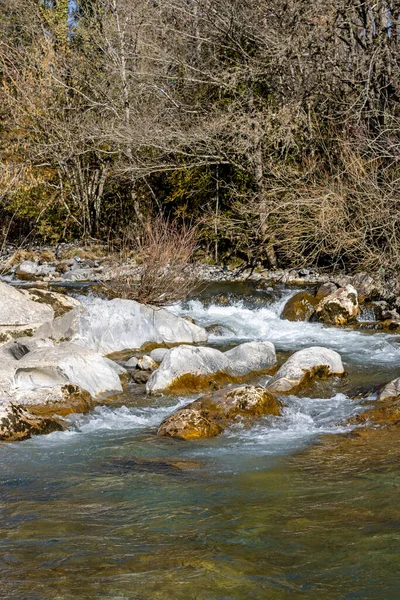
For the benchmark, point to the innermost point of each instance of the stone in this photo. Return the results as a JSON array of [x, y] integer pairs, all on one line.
[[218, 330], [188, 369], [60, 303], [390, 391], [299, 307], [251, 357], [146, 363], [18, 310], [132, 363], [326, 289], [304, 366], [211, 414], [109, 326], [366, 286], [18, 423], [67, 363], [338, 308], [158, 354], [30, 271]]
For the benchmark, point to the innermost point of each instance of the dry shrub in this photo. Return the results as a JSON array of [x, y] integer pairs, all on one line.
[[164, 250]]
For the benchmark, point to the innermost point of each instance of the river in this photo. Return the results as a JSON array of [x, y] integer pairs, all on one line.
[[291, 508]]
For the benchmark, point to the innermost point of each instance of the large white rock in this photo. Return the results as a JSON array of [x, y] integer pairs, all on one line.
[[16, 309], [252, 356], [188, 369], [68, 363], [30, 365], [303, 366], [108, 326]]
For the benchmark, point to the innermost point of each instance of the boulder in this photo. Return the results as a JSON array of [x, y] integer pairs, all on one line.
[[339, 307], [16, 310], [18, 423], [29, 365], [109, 326], [158, 354], [60, 303], [366, 286], [211, 414], [304, 366], [299, 307], [326, 289], [251, 357], [67, 363], [188, 369]]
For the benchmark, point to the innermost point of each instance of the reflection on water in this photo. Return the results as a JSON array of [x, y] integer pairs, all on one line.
[[298, 507]]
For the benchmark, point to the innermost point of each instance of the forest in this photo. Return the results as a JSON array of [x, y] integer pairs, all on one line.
[[270, 126]]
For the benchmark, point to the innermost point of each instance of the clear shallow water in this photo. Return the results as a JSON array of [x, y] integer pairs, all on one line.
[[107, 510]]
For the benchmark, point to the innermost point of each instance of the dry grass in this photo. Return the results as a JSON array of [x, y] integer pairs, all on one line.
[[164, 250]]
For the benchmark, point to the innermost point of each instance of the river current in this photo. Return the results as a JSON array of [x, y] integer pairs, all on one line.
[[286, 509]]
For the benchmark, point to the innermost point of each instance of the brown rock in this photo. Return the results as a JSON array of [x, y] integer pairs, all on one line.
[[300, 307], [340, 307], [18, 423], [211, 414]]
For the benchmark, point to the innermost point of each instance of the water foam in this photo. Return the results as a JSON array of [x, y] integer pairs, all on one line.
[[242, 323]]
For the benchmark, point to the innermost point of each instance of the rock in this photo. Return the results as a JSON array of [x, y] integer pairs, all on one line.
[[140, 377], [326, 289], [158, 354], [218, 330], [146, 363], [211, 414], [390, 391], [391, 315], [90, 274], [367, 288], [299, 307], [251, 357], [60, 303], [385, 411], [19, 315], [29, 270], [18, 423], [109, 326], [303, 366], [188, 369], [338, 308], [132, 363], [61, 400], [67, 364]]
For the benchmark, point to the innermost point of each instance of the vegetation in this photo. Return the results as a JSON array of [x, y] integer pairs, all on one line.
[[271, 124]]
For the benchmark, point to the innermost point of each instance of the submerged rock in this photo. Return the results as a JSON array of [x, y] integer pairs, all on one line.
[[338, 308], [188, 369], [211, 414], [299, 307], [108, 326], [304, 366]]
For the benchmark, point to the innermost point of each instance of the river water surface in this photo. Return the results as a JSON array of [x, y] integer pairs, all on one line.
[[292, 508]]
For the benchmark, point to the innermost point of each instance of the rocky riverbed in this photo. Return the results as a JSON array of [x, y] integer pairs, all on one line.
[[212, 445]]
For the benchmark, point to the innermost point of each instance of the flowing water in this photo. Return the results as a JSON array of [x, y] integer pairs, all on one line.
[[295, 507]]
